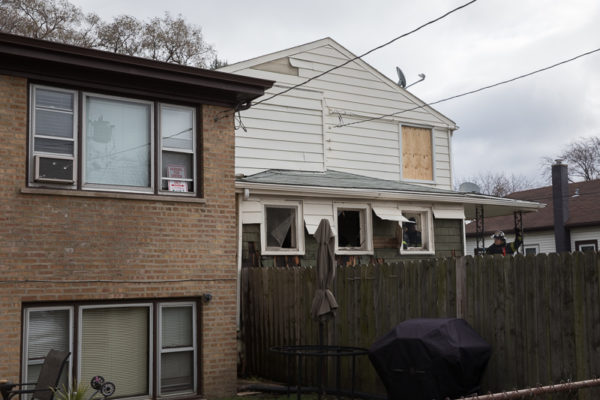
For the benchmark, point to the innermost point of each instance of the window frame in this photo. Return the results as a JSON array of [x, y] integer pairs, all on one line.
[[31, 137], [426, 217], [160, 351], [25, 339], [154, 308], [273, 251], [153, 130], [534, 246], [585, 243], [366, 221], [79, 137]]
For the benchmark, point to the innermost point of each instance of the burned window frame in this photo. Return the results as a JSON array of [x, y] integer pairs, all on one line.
[[299, 231], [366, 228], [427, 235]]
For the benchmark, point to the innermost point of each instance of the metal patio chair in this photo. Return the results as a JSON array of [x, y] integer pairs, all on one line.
[[48, 380]]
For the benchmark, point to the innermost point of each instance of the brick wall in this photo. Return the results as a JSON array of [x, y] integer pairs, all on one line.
[[50, 237]]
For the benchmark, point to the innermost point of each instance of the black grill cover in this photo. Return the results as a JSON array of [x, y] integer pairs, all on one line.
[[430, 359]]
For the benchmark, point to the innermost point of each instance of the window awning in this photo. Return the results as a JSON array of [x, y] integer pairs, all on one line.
[[448, 212], [314, 212], [389, 213]]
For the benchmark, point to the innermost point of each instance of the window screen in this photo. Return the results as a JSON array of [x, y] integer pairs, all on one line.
[[177, 349], [117, 142]]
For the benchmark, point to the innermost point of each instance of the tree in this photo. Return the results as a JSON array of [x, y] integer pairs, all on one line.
[[583, 158], [498, 184], [169, 39]]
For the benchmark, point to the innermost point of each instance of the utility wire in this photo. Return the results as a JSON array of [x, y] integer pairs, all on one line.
[[359, 56], [472, 91], [366, 53]]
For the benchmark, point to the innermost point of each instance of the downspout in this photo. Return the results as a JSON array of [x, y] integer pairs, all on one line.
[[239, 261]]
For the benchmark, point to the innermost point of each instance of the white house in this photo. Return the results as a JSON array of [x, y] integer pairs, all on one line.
[[350, 146]]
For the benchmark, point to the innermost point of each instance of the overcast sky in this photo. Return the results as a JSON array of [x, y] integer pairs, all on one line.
[[508, 128]]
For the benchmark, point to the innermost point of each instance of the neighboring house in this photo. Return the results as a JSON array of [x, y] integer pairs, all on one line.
[[298, 162], [117, 218], [581, 200]]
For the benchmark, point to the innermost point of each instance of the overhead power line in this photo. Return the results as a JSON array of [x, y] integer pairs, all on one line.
[[472, 91], [356, 57], [366, 53]]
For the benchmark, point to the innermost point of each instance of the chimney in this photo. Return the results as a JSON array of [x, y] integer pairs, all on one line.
[[560, 198]]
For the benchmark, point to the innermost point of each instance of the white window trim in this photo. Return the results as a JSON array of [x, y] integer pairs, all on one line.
[[300, 250], [430, 237], [116, 188], [532, 246], [25, 363], [150, 339], [193, 152], [32, 136], [367, 225], [160, 350]]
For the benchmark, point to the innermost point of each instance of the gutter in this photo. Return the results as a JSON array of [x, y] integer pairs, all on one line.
[[314, 191]]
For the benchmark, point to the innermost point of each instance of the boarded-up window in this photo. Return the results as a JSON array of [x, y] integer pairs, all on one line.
[[417, 157]]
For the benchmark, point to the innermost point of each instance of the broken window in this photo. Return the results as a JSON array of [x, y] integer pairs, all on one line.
[[281, 227], [351, 229], [416, 232]]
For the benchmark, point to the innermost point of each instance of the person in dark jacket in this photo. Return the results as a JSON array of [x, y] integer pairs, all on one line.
[[501, 247]]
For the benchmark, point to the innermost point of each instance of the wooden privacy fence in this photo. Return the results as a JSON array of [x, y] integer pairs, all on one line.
[[541, 314]]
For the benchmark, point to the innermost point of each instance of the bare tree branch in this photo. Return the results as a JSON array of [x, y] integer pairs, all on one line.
[[166, 38]]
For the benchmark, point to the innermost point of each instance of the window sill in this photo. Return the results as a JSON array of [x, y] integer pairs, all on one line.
[[416, 252], [342, 252], [111, 195]]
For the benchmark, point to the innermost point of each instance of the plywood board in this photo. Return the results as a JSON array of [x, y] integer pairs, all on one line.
[[417, 157]]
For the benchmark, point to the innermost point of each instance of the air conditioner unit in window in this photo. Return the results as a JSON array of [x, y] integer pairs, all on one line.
[[54, 169]]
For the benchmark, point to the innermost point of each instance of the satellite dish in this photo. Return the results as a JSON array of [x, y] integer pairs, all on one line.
[[401, 78], [469, 187]]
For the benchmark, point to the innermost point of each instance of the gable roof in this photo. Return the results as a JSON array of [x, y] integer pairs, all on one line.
[[584, 209], [335, 184], [236, 67]]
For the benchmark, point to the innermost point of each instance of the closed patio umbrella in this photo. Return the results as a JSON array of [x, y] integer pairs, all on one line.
[[324, 304]]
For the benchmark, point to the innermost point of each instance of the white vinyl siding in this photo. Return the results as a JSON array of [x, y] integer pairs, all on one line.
[[582, 234], [298, 130]]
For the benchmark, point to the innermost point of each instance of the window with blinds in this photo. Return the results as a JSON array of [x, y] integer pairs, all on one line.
[[115, 344], [117, 341], [177, 348], [46, 329]]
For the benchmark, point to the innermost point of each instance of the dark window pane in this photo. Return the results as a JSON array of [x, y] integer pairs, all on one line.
[[349, 229], [53, 99], [53, 123], [54, 146], [55, 168]]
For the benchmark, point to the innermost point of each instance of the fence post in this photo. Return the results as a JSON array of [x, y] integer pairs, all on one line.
[[461, 286]]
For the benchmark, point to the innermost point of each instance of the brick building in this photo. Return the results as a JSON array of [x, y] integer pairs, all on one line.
[[117, 216]]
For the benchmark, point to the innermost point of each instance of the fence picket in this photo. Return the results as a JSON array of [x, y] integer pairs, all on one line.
[[540, 314]]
